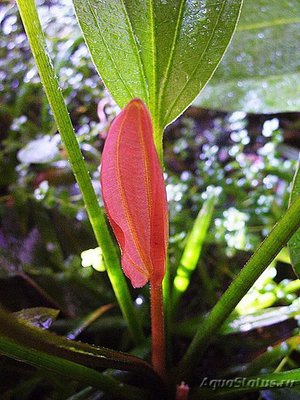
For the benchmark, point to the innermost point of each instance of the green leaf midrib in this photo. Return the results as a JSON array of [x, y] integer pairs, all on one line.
[[197, 66], [171, 57]]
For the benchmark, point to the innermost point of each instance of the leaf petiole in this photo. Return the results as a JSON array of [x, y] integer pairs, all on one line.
[[158, 330]]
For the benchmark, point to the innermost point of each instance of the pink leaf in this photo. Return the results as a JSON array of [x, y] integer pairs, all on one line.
[[134, 195]]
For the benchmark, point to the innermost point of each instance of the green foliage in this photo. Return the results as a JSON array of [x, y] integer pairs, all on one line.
[[161, 52], [260, 72], [44, 229], [252, 270], [81, 353], [81, 373]]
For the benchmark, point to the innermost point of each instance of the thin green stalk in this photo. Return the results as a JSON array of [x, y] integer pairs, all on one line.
[[69, 370], [87, 320], [259, 261], [192, 250], [240, 385], [38, 46]]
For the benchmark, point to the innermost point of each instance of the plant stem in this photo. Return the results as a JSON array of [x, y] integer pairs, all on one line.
[[158, 330], [49, 79], [167, 312], [259, 261]]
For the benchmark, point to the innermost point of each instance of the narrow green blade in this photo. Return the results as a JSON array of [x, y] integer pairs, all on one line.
[[82, 353], [193, 248]]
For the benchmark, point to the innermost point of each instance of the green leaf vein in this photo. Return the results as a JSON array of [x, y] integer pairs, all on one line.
[[199, 62]]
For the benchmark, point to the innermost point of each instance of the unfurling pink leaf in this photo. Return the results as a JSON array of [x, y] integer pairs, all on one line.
[[134, 195]]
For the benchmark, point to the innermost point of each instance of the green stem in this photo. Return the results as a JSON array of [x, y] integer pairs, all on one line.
[[37, 42], [259, 261], [69, 369], [158, 330]]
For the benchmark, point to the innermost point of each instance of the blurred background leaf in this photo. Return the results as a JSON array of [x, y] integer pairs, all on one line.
[[260, 73]]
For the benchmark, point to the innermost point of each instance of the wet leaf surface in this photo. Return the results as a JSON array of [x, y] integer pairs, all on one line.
[[160, 51], [260, 73]]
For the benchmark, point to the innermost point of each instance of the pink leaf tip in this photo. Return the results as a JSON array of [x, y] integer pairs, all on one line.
[[134, 195]]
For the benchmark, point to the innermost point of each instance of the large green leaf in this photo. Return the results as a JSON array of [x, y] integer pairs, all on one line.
[[261, 70], [294, 242], [163, 52]]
